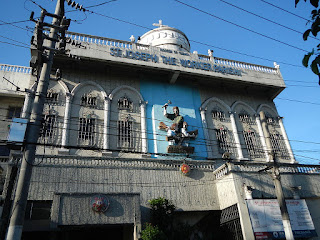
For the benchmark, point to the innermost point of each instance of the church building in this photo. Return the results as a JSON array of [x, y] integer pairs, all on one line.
[[126, 122]]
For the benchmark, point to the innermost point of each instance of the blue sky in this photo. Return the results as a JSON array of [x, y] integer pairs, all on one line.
[[299, 103]]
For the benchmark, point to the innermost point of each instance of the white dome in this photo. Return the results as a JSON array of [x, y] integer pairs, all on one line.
[[166, 37]]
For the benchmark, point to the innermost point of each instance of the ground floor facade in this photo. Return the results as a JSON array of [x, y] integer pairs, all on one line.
[[87, 197]]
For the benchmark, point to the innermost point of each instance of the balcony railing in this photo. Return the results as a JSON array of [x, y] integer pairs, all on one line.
[[256, 167], [129, 45], [14, 68]]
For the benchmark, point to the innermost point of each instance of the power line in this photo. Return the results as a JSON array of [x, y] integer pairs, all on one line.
[[293, 100], [15, 26], [100, 4], [10, 23], [237, 25], [266, 19], [275, 6], [14, 40], [198, 42], [15, 44]]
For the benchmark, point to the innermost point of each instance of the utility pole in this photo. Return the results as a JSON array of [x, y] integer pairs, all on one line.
[[275, 174], [20, 201]]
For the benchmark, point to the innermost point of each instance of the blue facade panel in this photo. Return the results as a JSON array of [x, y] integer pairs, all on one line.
[[187, 99]]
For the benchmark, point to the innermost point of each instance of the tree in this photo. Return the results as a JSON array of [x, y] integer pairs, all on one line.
[[314, 30]]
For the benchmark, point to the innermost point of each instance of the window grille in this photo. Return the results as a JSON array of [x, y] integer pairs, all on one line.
[[225, 141], [246, 118], [48, 126], [273, 121], [14, 112], [125, 134], [219, 115], [86, 131], [52, 97], [279, 146], [253, 144], [230, 223], [125, 103], [87, 100]]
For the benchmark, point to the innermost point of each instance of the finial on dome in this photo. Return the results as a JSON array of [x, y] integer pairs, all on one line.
[[160, 25]]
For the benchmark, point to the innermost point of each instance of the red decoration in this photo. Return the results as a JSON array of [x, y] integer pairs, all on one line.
[[99, 203], [185, 169]]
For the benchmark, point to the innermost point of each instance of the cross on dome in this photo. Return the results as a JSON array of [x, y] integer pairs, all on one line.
[[159, 24]]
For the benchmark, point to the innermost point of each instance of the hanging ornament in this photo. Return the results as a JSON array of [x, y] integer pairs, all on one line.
[[185, 169]]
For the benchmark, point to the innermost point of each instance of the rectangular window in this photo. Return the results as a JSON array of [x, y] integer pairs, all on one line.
[[246, 118], [279, 146], [87, 100], [86, 131], [226, 142], [48, 126], [254, 147], [125, 134], [52, 97], [14, 112], [38, 210]]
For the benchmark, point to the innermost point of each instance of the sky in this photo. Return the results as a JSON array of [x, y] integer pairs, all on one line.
[[250, 31]]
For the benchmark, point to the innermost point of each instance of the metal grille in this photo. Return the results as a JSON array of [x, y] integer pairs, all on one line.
[[253, 144], [230, 222], [125, 134], [49, 127], [52, 97], [125, 103], [86, 131], [225, 141], [219, 115], [279, 146], [246, 118], [87, 100]]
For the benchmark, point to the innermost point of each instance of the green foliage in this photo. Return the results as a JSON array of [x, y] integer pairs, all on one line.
[[151, 232], [162, 213], [314, 30], [161, 226]]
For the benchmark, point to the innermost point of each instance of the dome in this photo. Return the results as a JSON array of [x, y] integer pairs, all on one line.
[[166, 37]]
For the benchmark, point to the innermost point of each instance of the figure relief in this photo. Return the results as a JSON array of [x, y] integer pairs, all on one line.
[[178, 135]]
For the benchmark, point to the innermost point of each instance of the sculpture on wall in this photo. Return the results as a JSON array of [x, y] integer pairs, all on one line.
[[177, 134]]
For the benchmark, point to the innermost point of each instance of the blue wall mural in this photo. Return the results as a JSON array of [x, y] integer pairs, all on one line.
[[187, 99]]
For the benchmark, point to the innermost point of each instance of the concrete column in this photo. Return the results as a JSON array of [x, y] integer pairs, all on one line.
[[206, 133], [106, 123], [262, 138], [144, 139], [66, 120], [266, 134], [27, 103], [236, 135], [286, 140]]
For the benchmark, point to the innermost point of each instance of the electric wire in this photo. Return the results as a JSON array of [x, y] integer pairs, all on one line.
[[242, 27], [266, 19], [284, 10]]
